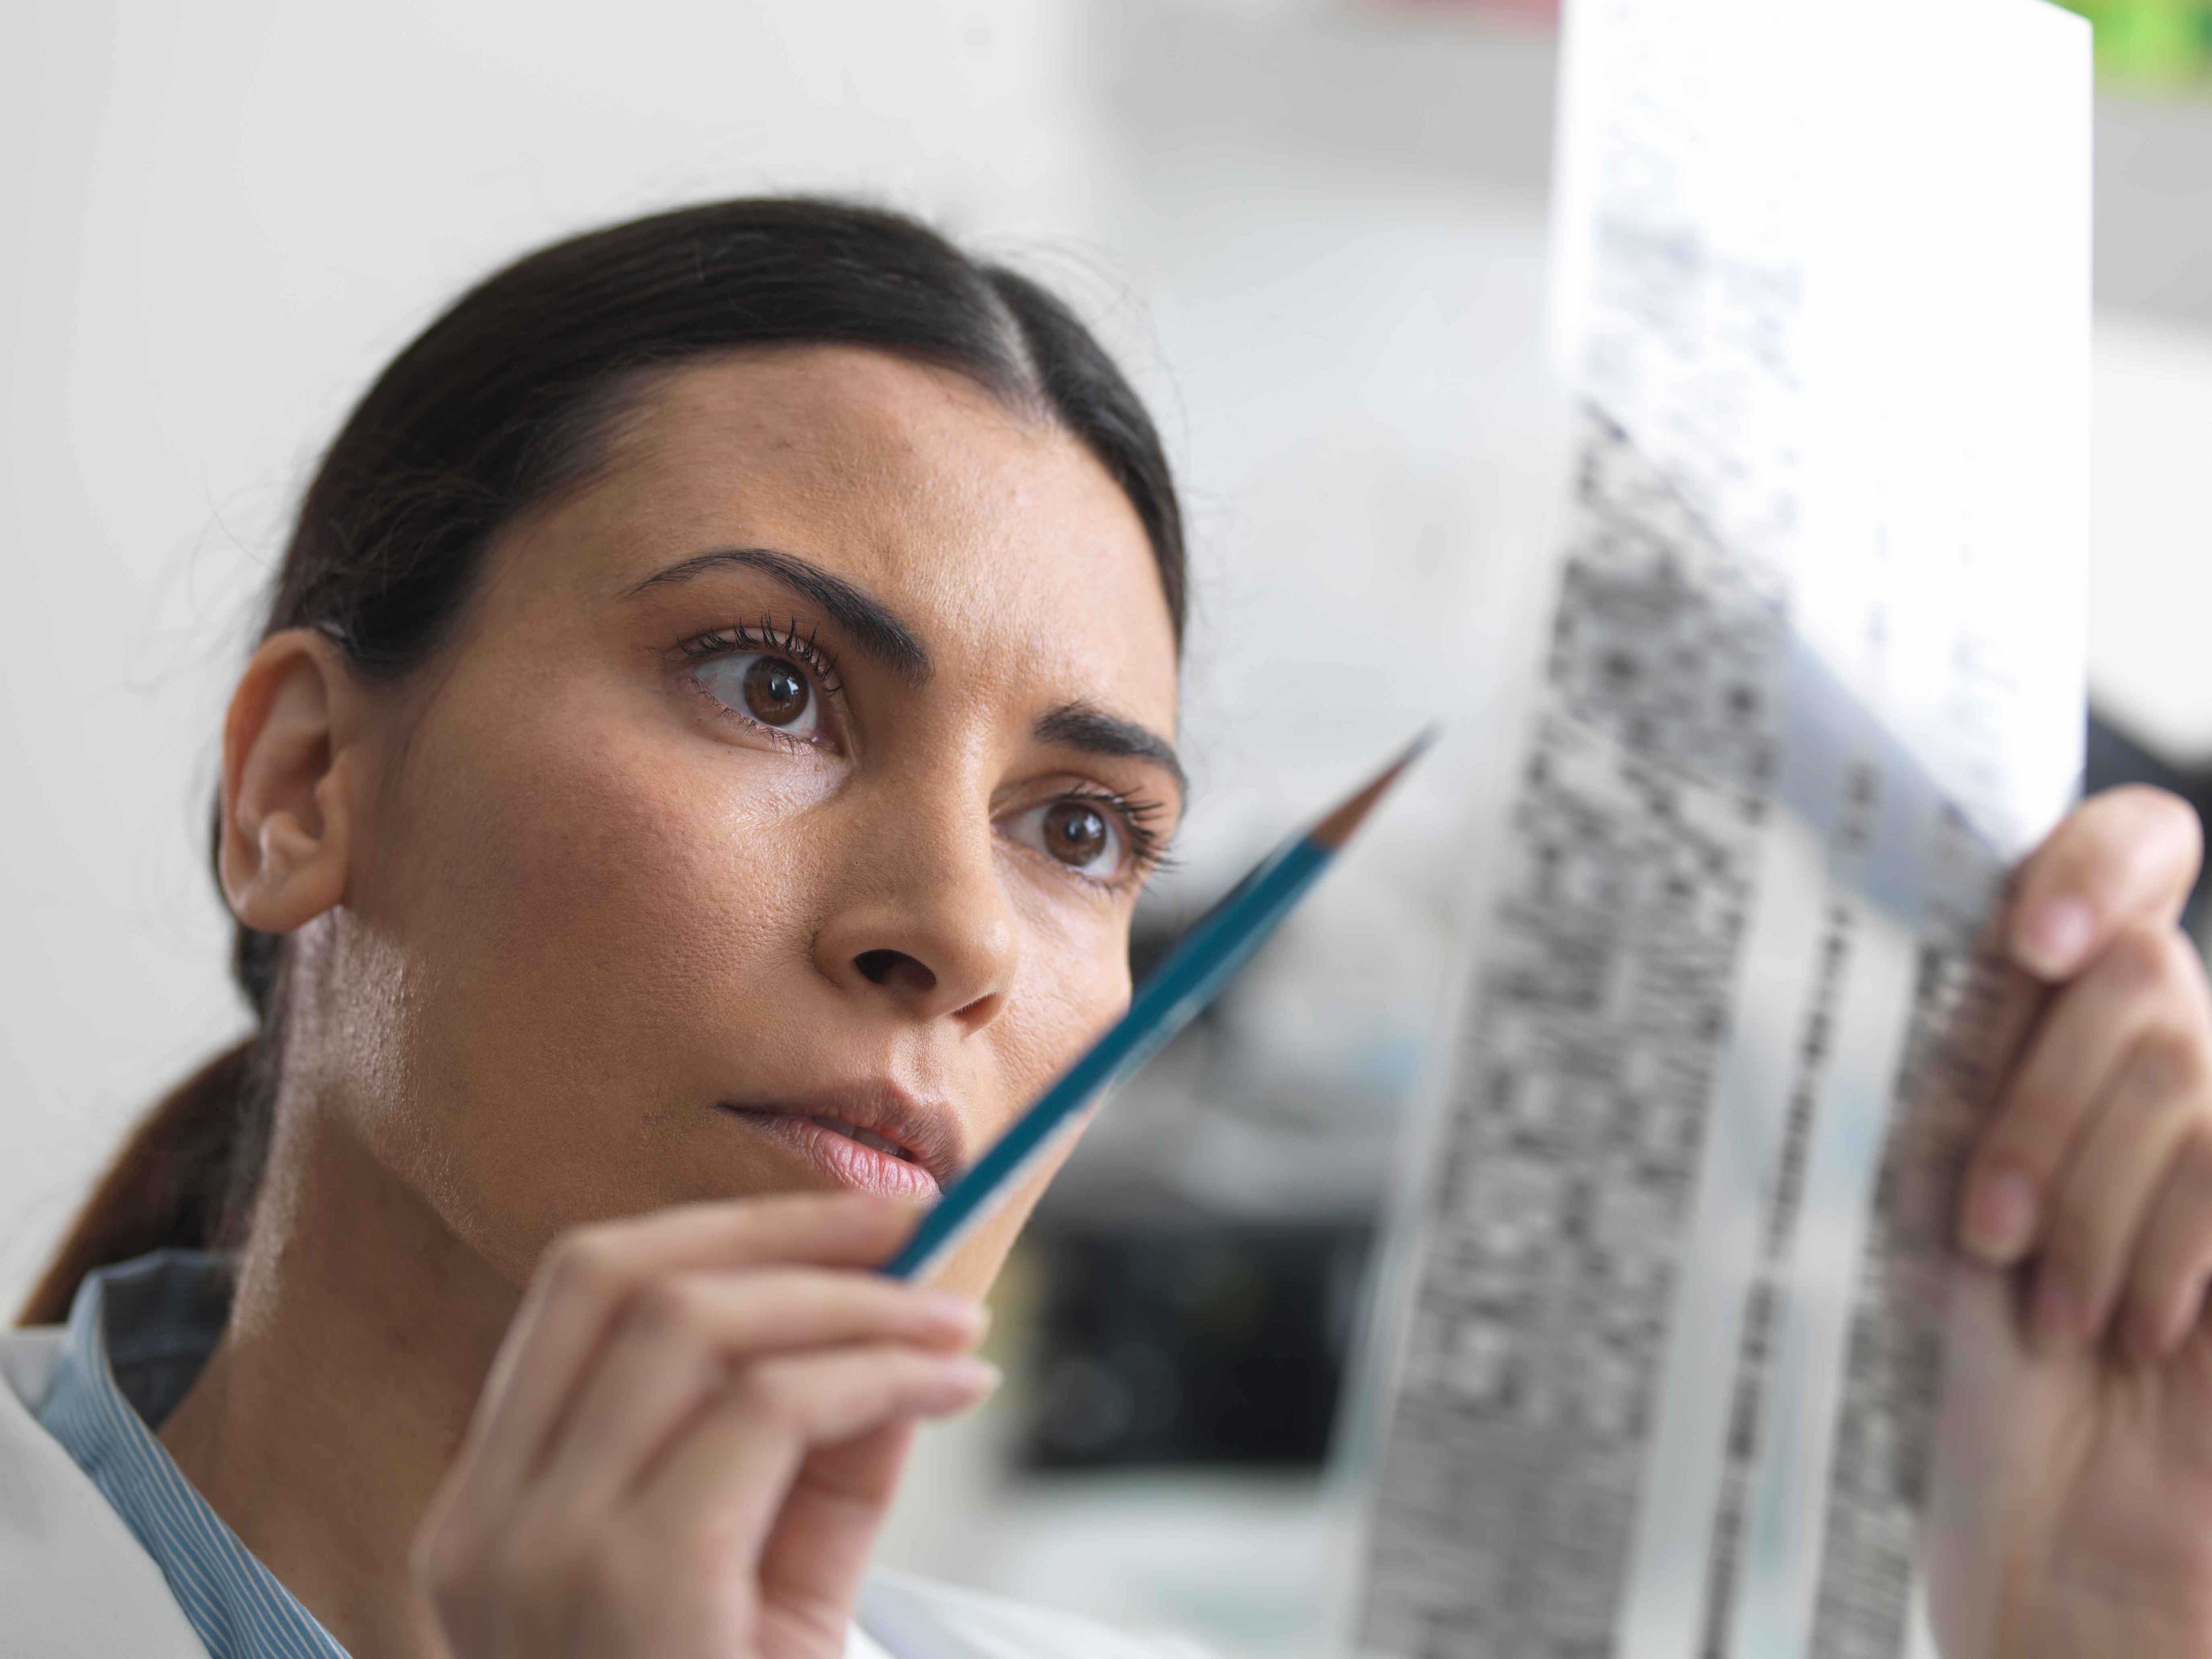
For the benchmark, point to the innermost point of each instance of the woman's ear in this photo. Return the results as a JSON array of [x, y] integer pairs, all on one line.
[[289, 750]]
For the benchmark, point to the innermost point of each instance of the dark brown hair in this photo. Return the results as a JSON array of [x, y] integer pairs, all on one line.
[[499, 404]]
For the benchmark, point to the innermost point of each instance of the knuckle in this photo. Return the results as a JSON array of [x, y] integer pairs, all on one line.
[[586, 1261], [698, 1551], [2030, 1131], [2140, 958], [2026, 1127], [770, 1392], [2182, 1228], [2069, 1248], [2145, 1299], [2080, 1237], [2148, 1314], [666, 1306], [623, 1574], [529, 1564], [676, 1577], [2166, 1279], [2177, 1247], [450, 1557], [2173, 1061]]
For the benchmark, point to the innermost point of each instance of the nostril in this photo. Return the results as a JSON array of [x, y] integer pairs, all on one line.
[[881, 967]]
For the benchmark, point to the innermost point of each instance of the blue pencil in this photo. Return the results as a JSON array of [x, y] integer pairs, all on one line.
[[1216, 946]]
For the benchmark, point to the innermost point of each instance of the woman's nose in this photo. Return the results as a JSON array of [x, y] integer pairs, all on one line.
[[927, 924]]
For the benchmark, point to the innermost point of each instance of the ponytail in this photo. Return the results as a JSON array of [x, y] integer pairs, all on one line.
[[183, 1179], [187, 1177]]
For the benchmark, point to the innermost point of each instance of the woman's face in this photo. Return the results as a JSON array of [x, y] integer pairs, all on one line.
[[773, 822]]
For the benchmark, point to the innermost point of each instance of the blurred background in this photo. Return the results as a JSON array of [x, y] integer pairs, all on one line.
[[1314, 229]]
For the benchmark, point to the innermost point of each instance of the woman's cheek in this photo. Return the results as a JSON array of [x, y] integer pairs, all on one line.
[[1076, 950], [1063, 1004], [616, 807], [582, 900]]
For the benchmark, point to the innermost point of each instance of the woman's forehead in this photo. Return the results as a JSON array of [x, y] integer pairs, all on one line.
[[998, 535]]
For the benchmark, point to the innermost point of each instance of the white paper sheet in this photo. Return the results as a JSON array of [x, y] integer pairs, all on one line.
[[1816, 680]]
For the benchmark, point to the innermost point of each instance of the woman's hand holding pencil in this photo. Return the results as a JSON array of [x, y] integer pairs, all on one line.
[[690, 1437]]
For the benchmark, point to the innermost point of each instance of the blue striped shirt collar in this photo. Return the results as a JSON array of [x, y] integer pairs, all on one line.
[[138, 1335]]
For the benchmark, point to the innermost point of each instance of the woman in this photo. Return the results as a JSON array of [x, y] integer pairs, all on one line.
[[715, 714]]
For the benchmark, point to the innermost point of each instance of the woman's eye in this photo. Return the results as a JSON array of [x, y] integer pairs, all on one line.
[[1076, 833], [772, 689]]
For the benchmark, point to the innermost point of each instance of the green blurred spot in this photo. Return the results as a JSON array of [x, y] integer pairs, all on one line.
[[2151, 43]]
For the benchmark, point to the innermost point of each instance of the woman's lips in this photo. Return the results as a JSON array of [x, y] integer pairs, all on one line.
[[848, 1154]]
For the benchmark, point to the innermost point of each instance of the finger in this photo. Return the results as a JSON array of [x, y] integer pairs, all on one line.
[[2127, 855], [2017, 1002], [593, 1267], [586, 1278], [729, 1476], [2158, 1100], [2166, 1293], [678, 1339], [2072, 1056], [818, 1547]]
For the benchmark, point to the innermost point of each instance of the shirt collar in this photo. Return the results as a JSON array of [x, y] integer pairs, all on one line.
[[138, 1334]]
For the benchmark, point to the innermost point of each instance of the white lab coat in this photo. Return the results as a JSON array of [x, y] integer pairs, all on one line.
[[76, 1584]]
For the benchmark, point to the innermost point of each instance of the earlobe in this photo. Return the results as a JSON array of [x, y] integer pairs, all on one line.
[[286, 831]]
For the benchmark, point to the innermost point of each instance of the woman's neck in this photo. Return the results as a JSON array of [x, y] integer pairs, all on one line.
[[322, 1424]]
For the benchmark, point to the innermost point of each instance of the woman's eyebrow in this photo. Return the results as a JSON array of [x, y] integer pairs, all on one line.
[[1090, 728], [874, 626]]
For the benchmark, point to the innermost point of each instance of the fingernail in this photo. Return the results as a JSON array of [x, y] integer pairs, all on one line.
[[2051, 937], [2001, 1217], [983, 1376], [2057, 1313], [962, 1312]]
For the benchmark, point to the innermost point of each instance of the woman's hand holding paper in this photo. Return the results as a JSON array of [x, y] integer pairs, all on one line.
[[2072, 1510]]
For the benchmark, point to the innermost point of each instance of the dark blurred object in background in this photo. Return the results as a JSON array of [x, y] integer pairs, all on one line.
[[1191, 1341]]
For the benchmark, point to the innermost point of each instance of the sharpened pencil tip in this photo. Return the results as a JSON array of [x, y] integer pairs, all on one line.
[[1337, 827]]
